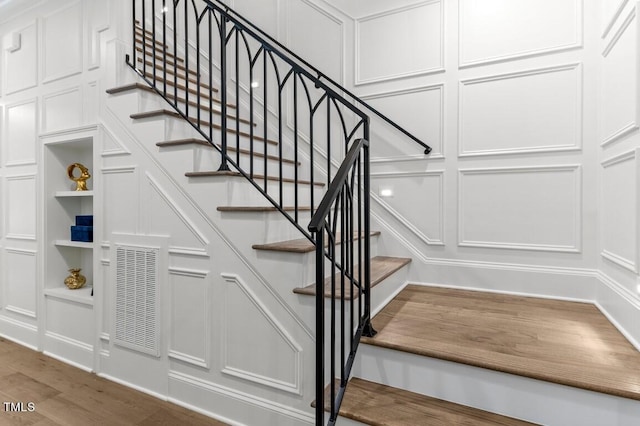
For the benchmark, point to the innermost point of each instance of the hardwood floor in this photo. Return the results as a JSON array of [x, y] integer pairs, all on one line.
[[557, 341], [63, 395]]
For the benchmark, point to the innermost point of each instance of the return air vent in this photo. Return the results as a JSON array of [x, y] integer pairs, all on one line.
[[136, 301]]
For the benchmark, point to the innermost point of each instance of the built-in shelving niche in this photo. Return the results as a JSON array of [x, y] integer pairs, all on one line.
[[68, 325]]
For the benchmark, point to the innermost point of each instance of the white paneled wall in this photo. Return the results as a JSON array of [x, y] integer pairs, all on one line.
[[531, 108]]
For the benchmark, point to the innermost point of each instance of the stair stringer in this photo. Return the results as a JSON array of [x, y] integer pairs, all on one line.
[[228, 396]]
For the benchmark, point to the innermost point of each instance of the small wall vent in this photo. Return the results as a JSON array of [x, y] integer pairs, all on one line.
[[136, 301]]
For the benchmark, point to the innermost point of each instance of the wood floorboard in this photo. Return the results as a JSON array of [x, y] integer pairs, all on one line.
[[67, 396], [562, 342]]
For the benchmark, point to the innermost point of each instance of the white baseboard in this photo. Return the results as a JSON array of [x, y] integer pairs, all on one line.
[[224, 403], [19, 332]]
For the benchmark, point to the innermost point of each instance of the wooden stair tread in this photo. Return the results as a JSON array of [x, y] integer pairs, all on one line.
[[568, 343], [300, 245], [379, 405], [381, 268], [255, 176], [161, 112], [194, 141]]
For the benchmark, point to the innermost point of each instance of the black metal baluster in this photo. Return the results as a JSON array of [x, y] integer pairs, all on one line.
[[295, 146], [223, 92], [264, 113], [186, 59], [237, 61], [143, 26], [164, 47]]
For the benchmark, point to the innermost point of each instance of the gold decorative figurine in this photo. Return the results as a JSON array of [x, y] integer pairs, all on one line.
[[75, 280], [81, 181]]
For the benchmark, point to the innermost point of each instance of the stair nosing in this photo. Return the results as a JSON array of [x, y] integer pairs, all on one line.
[[311, 291], [306, 248]]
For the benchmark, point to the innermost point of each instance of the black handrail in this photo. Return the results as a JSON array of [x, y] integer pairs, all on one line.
[[321, 75]]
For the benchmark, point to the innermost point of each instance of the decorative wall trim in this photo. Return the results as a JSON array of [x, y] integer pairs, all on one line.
[[78, 112], [24, 312], [180, 214], [118, 169], [25, 252], [189, 359], [329, 16], [36, 56], [574, 248], [7, 227], [7, 108], [629, 264], [234, 394], [47, 76], [614, 18], [438, 151], [69, 341], [189, 252], [399, 217], [296, 386], [575, 146], [358, 21], [628, 297], [105, 337], [186, 272], [64, 135], [635, 124], [525, 53]]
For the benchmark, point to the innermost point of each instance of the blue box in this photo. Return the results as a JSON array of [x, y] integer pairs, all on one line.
[[84, 220], [82, 233]]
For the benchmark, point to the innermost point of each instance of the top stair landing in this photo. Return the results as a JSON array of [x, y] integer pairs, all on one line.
[[562, 342]]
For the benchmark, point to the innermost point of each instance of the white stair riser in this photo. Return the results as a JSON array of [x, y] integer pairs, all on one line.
[[502, 393]]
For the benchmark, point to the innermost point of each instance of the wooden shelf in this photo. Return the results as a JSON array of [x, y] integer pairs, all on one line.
[[81, 295], [69, 243], [62, 194]]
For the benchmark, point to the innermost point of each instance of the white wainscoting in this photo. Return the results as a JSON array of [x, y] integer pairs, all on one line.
[[20, 66], [62, 110], [191, 304], [611, 10], [422, 115], [62, 43], [530, 111], [20, 133], [256, 346], [121, 199], [20, 197], [385, 49], [521, 208], [20, 282], [620, 210], [317, 35], [620, 83], [516, 29]]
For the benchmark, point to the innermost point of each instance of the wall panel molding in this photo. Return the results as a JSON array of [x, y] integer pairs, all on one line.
[[287, 343], [20, 67], [190, 324], [561, 129], [621, 130], [552, 43], [515, 208], [434, 61], [21, 191], [612, 254], [20, 133], [612, 20], [435, 141], [62, 43], [62, 110], [437, 240]]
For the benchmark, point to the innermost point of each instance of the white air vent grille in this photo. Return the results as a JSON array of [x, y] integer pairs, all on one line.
[[136, 301]]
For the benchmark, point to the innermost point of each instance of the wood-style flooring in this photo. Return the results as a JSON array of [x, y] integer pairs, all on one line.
[[557, 341], [67, 396]]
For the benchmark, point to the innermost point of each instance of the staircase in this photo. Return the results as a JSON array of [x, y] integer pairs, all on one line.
[[440, 356]]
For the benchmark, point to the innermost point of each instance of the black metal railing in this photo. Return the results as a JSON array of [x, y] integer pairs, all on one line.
[[342, 218], [277, 121]]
